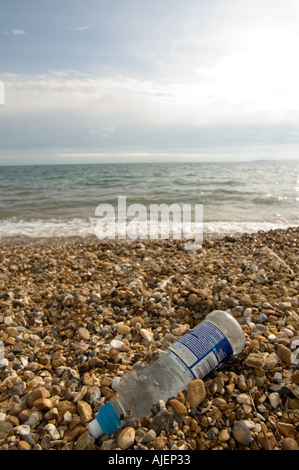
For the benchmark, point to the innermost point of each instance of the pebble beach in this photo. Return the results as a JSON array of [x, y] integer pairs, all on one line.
[[76, 314]]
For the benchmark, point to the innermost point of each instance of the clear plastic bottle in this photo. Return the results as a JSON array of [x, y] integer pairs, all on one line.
[[198, 353]]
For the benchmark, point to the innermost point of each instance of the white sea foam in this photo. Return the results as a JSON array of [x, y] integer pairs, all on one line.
[[80, 227]]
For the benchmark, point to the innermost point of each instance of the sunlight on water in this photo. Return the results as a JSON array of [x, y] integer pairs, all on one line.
[[60, 200]]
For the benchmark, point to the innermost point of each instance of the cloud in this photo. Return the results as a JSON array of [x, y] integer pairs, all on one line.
[[82, 28], [78, 28], [17, 32], [228, 79]]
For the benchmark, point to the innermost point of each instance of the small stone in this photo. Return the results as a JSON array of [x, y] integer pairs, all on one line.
[[149, 436], [196, 392], [95, 362], [126, 438], [160, 442], [289, 444], [224, 435], [267, 440], [83, 334], [192, 299], [115, 383], [221, 404], [12, 331], [85, 411], [5, 428], [53, 431], [65, 406], [36, 394], [163, 421], [147, 335], [85, 441], [46, 442], [96, 297], [294, 404], [117, 344], [274, 399], [284, 353], [34, 418], [255, 360], [219, 383], [43, 404], [277, 377], [242, 433], [123, 329], [287, 430], [262, 318], [231, 302], [23, 445], [243, 398], [178, 407], [270, 362], [25, 432], [72, 434]]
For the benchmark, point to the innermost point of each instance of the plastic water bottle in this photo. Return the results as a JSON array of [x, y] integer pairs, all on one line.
[[197, 354]]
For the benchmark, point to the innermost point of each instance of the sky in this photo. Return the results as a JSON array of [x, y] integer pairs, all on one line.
[[132, 80]]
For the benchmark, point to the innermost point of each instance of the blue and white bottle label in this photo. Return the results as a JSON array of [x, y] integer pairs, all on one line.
[[201, 350]]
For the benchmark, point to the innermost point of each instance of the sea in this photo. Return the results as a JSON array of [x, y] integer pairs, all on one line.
[[73, 200]]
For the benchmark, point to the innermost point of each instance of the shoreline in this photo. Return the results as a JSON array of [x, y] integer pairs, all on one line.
[[88, 239], [76, 314]]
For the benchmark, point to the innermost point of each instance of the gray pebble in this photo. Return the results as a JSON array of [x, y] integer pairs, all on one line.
[[242, 433]]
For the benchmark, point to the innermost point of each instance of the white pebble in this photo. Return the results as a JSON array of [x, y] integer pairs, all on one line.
[[147, 335], [248, 312], [116, 344], [274, 399], [118, 337], [288, 332], [115, 383], [244, 399], [52, 430], [277, 377], [272, 337]]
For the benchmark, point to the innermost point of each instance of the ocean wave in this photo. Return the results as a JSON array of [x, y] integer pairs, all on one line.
[[86, 227]]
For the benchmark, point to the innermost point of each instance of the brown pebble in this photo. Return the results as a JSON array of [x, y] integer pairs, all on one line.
[[43, 404], [295, 377], [284, 353], [289, 444], [126, 438], [23, 445], [267, 440], [193, 300], [85, 441], [83, 334], [224, 435], [123, 329], [178, 407], [85, 411], [160, 442], [286, 430], [196, 392], [255, 360], [36, 394]]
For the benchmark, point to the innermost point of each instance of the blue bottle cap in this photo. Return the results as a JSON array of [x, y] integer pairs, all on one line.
[[108, 419]]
